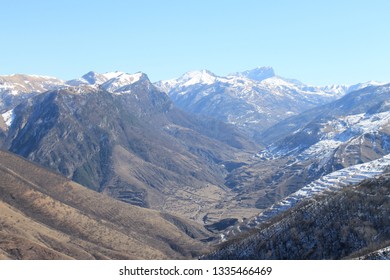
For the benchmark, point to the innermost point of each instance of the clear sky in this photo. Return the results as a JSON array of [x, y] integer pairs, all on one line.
[[317, 42]]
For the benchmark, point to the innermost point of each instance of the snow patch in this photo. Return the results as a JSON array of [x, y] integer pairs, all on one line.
[[8, 117], [198, 77], [120, 80], [115, 74], [334, 181], [352, 175]]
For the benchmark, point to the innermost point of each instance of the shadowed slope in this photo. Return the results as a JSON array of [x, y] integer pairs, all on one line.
[[346, 224], [132, 145]]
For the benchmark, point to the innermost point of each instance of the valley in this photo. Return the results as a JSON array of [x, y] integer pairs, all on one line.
[[194, 161]]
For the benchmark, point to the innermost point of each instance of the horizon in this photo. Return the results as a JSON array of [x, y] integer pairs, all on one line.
[[334, 42], [194, 70]]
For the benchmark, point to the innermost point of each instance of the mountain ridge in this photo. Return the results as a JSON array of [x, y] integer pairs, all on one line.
[[253, 103], [134, 146]]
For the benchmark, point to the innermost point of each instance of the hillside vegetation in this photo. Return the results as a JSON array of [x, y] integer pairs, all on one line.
[[46, 216], [346, 224]]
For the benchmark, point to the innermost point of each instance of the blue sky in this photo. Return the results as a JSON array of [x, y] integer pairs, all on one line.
[[317, 42]]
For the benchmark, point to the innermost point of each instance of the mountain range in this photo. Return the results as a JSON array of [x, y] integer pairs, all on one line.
[[131, 144], [204, 158], [351, 130], [253, 100]]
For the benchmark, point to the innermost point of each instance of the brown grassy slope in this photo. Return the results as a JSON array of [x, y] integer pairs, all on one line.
[[45, 216], [27, 83]]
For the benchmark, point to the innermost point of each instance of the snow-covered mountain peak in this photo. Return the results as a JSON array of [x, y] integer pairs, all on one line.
[[17, 87], [23, 79], [197, 77], [124, 77], [257, 74], [255, 98], [277, 81], [20, 83], [120, 80], [189, 79], [90, 78], [114, 74], [364, 85], [110, 81], [94, 78]]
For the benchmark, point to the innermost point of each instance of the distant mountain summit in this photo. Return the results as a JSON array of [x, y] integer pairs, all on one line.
[[110, 81], [17, 87], [90, 78], [257, 74]]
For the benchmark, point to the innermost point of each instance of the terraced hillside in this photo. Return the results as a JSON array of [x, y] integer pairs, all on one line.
[[351, 223], [332, 182]]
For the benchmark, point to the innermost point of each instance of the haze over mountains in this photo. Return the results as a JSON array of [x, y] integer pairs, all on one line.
[[211, 156]]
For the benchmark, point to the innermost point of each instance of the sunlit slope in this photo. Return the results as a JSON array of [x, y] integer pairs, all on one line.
[[46, 216]]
